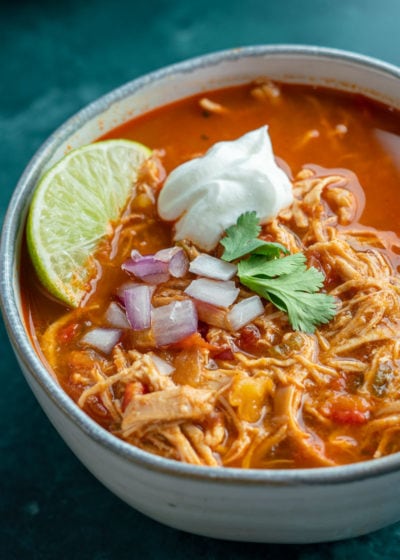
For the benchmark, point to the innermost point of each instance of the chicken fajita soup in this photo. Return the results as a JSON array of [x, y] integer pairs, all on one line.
[[243, 309]]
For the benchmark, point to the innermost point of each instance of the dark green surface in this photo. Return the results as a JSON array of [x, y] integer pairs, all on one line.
[[56, 57]]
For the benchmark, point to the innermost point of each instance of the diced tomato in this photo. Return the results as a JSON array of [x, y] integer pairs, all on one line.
[[67, 333], [249, 337], [347, 409], [193, 340], [224, 354], [349, 416]]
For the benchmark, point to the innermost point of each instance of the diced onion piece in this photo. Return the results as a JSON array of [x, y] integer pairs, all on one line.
[[212, 315], [163, 367], [244, 312], [121, 290], [102, 339], [138, 306], [173, 322], [165, 255], [206, 265], [176, 258], [179, 264], [217, 292], [147, 268], [116, 316]]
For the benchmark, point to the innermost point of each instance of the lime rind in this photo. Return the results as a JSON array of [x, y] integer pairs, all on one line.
[[72, 207]]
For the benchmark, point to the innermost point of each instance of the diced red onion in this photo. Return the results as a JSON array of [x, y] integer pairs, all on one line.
[[165, 255], [211, 267], [176, 258], [135, 255], [164, 367], [121, 290], [102, 339], [173, 322], [244, 312], [217, 292], [125, 286], [138, 306], [116, 316], [211, 314], [147, 268]]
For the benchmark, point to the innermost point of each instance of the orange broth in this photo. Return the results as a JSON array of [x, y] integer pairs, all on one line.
[[307, 125]]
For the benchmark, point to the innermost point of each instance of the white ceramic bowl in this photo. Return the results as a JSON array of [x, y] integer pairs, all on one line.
[[285, 506]]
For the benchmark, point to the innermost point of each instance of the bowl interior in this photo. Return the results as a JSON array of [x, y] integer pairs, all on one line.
[[306, 65], [322, 67]]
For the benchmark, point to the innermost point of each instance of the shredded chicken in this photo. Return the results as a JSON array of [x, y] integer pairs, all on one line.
[[267, 397], [212, 106], [174, 404], [265, 90]]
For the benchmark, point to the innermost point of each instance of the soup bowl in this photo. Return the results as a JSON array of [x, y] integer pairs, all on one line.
[[283, 506]]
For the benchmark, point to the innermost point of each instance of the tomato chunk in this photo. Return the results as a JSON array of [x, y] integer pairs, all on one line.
[[193, 340], [347, 409], [67, 333]]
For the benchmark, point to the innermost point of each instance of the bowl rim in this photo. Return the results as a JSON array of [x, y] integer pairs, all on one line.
[[29, 359]]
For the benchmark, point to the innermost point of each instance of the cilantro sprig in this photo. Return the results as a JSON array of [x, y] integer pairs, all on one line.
[[242, 239], [285, 281]]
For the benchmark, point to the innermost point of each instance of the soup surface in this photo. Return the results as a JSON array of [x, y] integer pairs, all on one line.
[[263, 396]]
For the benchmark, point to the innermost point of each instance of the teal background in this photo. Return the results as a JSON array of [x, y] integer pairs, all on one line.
[[55, 57]]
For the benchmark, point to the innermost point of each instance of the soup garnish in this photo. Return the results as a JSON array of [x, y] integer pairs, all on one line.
[[72, 207], [200, 353], [207, 194], [286, 282]]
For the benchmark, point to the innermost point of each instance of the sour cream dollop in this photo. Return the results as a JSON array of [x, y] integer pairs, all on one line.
[[207, 194]]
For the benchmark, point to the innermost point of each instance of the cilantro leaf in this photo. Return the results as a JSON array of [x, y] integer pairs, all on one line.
[[270, 249], [241, 239], [284, 281], [257, 265], [296, 294]]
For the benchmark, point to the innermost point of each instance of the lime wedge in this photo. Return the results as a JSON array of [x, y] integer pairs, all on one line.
[[71, 210]]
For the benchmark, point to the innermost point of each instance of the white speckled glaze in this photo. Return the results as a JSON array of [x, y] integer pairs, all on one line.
[[286, 506]]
